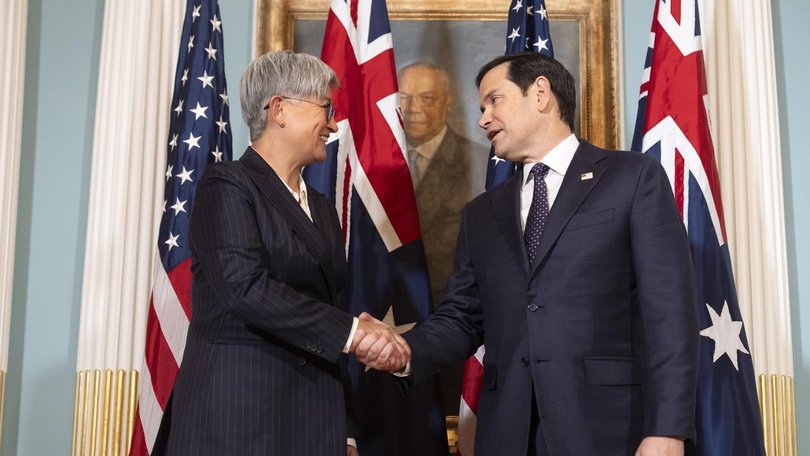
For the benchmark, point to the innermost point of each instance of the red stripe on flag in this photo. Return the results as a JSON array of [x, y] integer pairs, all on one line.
[[347, 184], [180, 278], [159, 359], [679, 166], [352, 12], [675, 7], [471, 383], [138, 445]]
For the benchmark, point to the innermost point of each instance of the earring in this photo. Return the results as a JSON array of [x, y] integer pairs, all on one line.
[[283, 124]]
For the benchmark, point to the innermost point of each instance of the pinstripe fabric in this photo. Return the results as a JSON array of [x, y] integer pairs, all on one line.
[[262, 371]]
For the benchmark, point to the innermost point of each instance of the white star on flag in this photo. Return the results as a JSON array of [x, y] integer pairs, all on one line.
[[542, 12], [224, 96], [726, 335], [199, 111], [540, 44], [497, 160], [215, 23], [221, 124], [190, 43], [179, 206], [212, 53], [173, 142], [206, 80], [164, 205], [529, 10], [518, 6], [185, 175], [169, 172], [172, 241], [217, 154], [192, 141], [196, 13], [185, 77], [515, 34], [179, 108]]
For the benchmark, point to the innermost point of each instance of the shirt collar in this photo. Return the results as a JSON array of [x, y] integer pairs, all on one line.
[[428, 148], [557, 159], [302, 188]]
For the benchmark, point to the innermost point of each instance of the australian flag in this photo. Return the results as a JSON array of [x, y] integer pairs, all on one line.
[[673, 126], [527, 30], [366, 176]]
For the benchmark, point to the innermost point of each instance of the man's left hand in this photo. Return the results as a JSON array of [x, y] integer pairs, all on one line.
[[660, 446]]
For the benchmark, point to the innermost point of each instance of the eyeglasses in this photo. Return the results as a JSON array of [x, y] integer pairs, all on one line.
[[330, 110], [427, 100]]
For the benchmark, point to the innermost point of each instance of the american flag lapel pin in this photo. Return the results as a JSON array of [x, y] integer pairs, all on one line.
[[585, 176]]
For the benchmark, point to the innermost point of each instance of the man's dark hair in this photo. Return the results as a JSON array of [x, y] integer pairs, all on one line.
[[526, 67]]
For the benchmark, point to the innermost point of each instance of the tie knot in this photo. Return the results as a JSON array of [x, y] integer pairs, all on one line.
[[540, 170]]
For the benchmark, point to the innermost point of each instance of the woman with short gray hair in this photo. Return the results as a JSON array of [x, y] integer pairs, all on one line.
[[264, 368]]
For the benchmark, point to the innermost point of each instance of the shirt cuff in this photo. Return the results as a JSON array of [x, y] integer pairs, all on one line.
[[348, 345], [405, 372], [351, 442]]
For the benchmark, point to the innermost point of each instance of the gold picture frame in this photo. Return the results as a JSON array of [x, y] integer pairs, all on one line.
[[596, 23]]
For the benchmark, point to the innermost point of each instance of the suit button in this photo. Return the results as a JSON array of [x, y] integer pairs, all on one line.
[[524, 362], [532, 307], [301, 361]]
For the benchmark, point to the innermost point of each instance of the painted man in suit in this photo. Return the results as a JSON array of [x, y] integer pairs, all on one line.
[[448, 171], [576, 276], [263, 369]]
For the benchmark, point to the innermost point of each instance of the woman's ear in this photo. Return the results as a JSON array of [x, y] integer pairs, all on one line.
[[275, 111]]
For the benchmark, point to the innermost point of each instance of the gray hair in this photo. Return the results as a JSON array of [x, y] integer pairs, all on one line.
[[444, 76], [284, 73]]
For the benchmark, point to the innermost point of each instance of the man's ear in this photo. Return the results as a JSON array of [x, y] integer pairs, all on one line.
[[275, 111], [541, 89]]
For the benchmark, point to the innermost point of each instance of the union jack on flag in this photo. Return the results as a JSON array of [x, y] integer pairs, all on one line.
[[673, 126], [527, 30], [199, 134], [366, 176]]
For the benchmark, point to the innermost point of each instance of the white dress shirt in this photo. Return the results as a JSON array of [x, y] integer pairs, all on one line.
[[557, 159]]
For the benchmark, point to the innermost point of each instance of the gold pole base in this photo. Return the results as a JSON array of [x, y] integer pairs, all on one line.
[[778, 412], [100, 411]]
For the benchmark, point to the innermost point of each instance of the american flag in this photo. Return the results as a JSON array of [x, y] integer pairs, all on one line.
[[199, 134], [527, 30], [673, 126], [366, 176]]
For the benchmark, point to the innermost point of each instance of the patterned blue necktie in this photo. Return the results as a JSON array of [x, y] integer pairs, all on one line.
[[538, 212]]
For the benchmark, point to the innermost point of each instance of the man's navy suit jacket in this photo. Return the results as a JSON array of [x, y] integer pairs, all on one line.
[[602, 328], [261, 372]]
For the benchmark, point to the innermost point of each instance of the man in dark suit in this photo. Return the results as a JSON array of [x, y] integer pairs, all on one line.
[[576, 276], [448, 171]]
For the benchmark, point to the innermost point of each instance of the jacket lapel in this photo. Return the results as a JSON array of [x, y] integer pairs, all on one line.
[[572, 193], [277, 194], [506, 204]]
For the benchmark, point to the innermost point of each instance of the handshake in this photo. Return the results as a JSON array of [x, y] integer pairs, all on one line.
[[376, 345]]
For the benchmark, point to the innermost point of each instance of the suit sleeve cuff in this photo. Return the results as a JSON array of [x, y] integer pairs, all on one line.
[[348, 345]]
